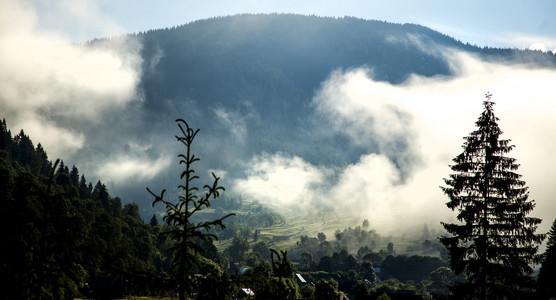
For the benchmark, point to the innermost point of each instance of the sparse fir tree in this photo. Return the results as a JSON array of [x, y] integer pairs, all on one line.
[[188, 236], [494, 243]]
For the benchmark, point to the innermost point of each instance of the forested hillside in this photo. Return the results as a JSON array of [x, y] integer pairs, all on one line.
[[265, 69], [249, 81], [64, 237]]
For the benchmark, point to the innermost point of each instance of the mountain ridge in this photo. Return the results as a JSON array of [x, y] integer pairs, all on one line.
[[248, 82]]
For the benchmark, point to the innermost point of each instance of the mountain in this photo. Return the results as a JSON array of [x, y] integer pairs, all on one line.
[[248, 82]]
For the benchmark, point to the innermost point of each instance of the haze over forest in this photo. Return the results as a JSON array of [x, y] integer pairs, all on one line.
[[301, 113]]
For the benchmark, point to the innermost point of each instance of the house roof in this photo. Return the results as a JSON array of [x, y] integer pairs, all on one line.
[[300, 278]]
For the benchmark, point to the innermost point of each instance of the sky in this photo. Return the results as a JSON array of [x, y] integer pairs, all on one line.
[[43, 70], [510, 23]]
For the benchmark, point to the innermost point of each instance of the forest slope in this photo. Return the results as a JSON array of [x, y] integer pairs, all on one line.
[[248, 81]]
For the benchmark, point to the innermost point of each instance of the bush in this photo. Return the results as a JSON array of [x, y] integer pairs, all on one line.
[[327, 289], [278, 289]]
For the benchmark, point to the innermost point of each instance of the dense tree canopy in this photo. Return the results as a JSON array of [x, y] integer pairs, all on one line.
[[62, 237]]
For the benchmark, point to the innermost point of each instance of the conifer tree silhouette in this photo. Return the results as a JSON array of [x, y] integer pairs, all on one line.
[[494, 243], [183, 231]]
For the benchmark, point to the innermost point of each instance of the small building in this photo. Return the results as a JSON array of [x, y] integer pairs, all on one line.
[[246, 293]]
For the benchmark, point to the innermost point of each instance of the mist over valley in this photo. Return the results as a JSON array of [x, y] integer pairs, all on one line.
[[303, 114]]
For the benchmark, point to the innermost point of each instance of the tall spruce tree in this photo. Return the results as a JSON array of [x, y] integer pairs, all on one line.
[[188, 236], [494, 243]]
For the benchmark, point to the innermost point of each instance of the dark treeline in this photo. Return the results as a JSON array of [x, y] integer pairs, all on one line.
[[64, 237]]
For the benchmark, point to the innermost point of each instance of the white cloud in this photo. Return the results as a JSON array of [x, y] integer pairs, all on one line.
[[279, 180], [126, 168], [218, 173], [365, 113], [47, 82], [52, 135], [431, 114]]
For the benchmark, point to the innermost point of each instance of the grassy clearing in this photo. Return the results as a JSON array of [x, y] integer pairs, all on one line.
[[311, 224], [297, 225]]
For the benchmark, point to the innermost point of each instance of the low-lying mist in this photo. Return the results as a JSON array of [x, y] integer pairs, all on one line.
[[417, 127]]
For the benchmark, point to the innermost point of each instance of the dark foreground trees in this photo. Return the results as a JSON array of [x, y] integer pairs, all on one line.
[[494, 243], [547, 274], [42, 231], [188, 236], [62, 238]]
